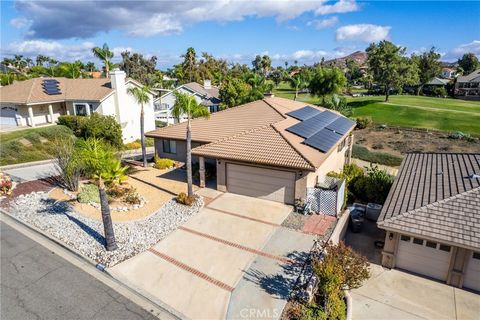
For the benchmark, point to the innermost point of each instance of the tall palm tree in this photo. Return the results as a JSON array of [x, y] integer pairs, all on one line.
[[105, 55], [297, 83], [142, 95], [187, 105], [98, 161]]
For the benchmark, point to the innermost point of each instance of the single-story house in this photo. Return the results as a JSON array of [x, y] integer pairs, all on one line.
[[41, 101], [206, 95], [272, 148], [468, 85], [432, 218]]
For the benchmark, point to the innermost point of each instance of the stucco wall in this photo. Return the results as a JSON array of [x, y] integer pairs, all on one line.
[[334, 162], [180, 155]]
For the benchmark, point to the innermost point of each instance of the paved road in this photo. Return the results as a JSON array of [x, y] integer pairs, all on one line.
[[37, 284], [33, 172]]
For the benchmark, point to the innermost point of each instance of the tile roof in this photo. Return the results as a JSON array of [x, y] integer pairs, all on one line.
[[472, 77], [263, 145], [253, 132], [31, 91], [213, 92], [436, 195]]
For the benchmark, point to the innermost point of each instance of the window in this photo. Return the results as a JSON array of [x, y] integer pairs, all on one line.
[[444, 247], [169, 146], [431, 244], [81, 109], [405, 238], [418, 241], [476, 255], [342, 145]]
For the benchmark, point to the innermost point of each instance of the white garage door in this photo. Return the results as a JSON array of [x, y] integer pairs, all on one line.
[[472, 272], [8, 116], [268, 184], [424, 257]]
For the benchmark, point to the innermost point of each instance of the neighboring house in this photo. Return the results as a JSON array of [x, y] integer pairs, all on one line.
[[432, 218], [263, 149], [468, 85], [206, 95], [438, 82], [448, 73], [42, 100]]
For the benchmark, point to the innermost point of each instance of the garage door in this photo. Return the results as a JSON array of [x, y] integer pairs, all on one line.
[[428, 258], [472, 272], [8, 116], [268, 184]]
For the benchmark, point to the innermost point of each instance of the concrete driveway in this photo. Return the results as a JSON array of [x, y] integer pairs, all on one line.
[[232, 260], [395, 294]]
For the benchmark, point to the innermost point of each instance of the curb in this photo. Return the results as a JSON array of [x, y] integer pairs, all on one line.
[[26, 164], [348, 299], [97, 266]]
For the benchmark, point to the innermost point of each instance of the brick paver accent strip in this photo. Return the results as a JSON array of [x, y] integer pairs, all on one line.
[[245, 217], [238, 246], [318, 224], [194, 271]]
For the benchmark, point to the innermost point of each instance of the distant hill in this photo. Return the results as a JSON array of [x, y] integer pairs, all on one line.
[[360, 57]]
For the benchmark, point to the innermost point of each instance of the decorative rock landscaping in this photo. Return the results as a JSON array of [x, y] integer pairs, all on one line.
[[59, 220]]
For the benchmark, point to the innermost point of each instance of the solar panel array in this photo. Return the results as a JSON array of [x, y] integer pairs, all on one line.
[[51, 86], [321, 130]]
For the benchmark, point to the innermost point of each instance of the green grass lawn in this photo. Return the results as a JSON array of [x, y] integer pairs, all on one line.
[[444, 114], [30, 144]]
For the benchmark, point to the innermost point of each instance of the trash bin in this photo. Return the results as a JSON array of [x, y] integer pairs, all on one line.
[[373, 211]]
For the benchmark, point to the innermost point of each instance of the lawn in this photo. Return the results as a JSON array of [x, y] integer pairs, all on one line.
[[420, 112], [444, 114], [30, 144]]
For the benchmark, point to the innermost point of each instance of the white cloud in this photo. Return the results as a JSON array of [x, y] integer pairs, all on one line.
[[325, 23], [53, 19], [473, 47], [341, 6], [363, 32], [20, 22]]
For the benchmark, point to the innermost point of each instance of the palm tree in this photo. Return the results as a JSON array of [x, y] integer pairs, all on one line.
[[105, 55], [187, 105], [99, 163], [90, 66], [142, 95], [297, 83]]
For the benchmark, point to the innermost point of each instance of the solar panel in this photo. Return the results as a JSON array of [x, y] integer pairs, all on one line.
[[341, 125], [323, 140], [304, 113], [51, 86], [309, 127]]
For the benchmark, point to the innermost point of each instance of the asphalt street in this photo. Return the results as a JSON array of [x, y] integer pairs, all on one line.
[[38, 284]]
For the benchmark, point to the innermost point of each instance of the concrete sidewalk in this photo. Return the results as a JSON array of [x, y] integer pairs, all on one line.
[[26, 172]]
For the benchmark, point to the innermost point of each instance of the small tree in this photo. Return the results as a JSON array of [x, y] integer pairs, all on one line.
[[187, 105], [105, 55], [142, 95], [428, 65], [67, 162], [468, 63], [326, 81], [98, 161]]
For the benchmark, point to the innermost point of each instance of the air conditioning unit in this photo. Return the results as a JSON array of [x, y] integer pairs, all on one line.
[[373, 211]]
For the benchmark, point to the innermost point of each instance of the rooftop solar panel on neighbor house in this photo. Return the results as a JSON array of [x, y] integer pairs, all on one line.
[[323, 140], [341, 125], [51, 86], [304, 113], [309, 127]]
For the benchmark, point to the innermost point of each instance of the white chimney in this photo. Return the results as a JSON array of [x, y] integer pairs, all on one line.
[[117, 78], [207, 84]]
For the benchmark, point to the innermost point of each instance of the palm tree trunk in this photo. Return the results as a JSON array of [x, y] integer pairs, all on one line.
[[296, 94], [111, 245], [107, 69], [189, 158], [142, 137]]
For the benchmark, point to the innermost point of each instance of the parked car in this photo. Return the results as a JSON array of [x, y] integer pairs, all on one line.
[[357, 218]]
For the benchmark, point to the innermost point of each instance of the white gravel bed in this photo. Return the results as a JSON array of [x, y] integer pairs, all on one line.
[[59, 220]]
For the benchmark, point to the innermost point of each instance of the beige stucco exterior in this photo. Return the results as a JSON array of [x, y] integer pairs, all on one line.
[[458, 261]]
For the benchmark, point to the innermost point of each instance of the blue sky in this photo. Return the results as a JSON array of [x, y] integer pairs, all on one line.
[[304, 31]]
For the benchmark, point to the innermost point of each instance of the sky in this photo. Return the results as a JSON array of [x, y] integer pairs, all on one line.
[[236, 30]]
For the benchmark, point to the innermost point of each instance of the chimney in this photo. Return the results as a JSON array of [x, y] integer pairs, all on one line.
[[207, 84], [117, 79]]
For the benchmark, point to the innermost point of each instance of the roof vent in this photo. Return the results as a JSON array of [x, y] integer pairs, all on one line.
[[474, 176]]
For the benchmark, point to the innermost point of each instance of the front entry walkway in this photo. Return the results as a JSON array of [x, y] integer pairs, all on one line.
[[231, 260]]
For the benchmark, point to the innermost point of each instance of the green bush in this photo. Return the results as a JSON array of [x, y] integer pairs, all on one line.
[[387, 159], [374, 186], [94, 126], [88, 193], [184, 199], [132, 196], [363, 122], [440, 92], [163, 163], [160, 124], [133, 145]]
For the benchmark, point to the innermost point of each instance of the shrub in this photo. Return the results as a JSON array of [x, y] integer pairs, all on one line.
[[184, 199], [384, 158], [5, 184], [94, 126], [163, 163], [350, 173], [68, 162], [88, 193], [132, 196], [116, 191], [440, 92], [374, 186], [363, 122], [133, 145], [160, 124]]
